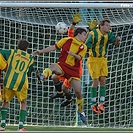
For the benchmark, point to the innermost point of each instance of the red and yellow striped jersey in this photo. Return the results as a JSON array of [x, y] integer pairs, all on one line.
[[73, 45]]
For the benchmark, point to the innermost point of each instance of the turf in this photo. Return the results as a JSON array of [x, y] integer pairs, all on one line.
[[80, 129]]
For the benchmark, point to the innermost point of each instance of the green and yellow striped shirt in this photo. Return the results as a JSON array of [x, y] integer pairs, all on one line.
[[97, 43], [19, 63]]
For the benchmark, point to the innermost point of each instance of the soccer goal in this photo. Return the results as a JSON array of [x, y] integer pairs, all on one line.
[[36, 22]]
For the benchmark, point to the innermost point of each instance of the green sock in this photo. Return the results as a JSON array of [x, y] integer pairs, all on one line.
[[102, 93], [4, 112], [93, 95], [22, 116]]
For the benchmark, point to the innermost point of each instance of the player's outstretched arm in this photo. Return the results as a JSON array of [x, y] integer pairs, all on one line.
[[46, 50]]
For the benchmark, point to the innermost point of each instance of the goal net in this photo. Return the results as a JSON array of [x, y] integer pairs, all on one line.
[[37, 24]]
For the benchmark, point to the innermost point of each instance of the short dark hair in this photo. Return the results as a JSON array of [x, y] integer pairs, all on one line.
[[79, 30], [102, 22], [23, 44]]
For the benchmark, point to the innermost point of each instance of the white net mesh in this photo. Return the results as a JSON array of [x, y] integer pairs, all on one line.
[[38, 26]]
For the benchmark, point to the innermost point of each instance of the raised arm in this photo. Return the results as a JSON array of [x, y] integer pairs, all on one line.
[[76, 20], [46, 50], [92, 25]]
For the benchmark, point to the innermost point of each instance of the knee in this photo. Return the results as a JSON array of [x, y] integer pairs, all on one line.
[[5, 104], [102, 82], [23, 102], [78, 94], [65, 89]]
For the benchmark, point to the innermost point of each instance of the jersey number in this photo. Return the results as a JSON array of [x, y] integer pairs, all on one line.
[[20, 65]]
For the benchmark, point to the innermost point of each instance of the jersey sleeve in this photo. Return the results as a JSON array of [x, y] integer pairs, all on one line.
[[112, 37], [5, 53], [60, 43], [3, 63], [89, 40], [31, 67], [70, 33]]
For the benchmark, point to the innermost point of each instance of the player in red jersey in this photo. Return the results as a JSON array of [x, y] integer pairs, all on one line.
[[62, 86]]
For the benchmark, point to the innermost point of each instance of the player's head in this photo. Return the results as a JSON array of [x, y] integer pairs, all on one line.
[[80, 33], [23, 45], [104, 25]]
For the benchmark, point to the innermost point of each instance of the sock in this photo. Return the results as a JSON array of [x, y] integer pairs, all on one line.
[[47, 72], [80, 104], [4, 112], [22, 117], [93, 95], [68, 96], [58, 86], [102, 93]]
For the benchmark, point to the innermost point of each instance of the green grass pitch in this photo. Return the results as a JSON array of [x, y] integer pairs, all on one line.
[[33, 128]]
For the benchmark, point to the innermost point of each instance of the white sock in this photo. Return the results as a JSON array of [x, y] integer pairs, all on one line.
[[20, 123], [3, 121], [102, 99]]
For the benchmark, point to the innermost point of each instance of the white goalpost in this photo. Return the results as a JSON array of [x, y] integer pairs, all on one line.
[[66, 5], [36, 23]]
